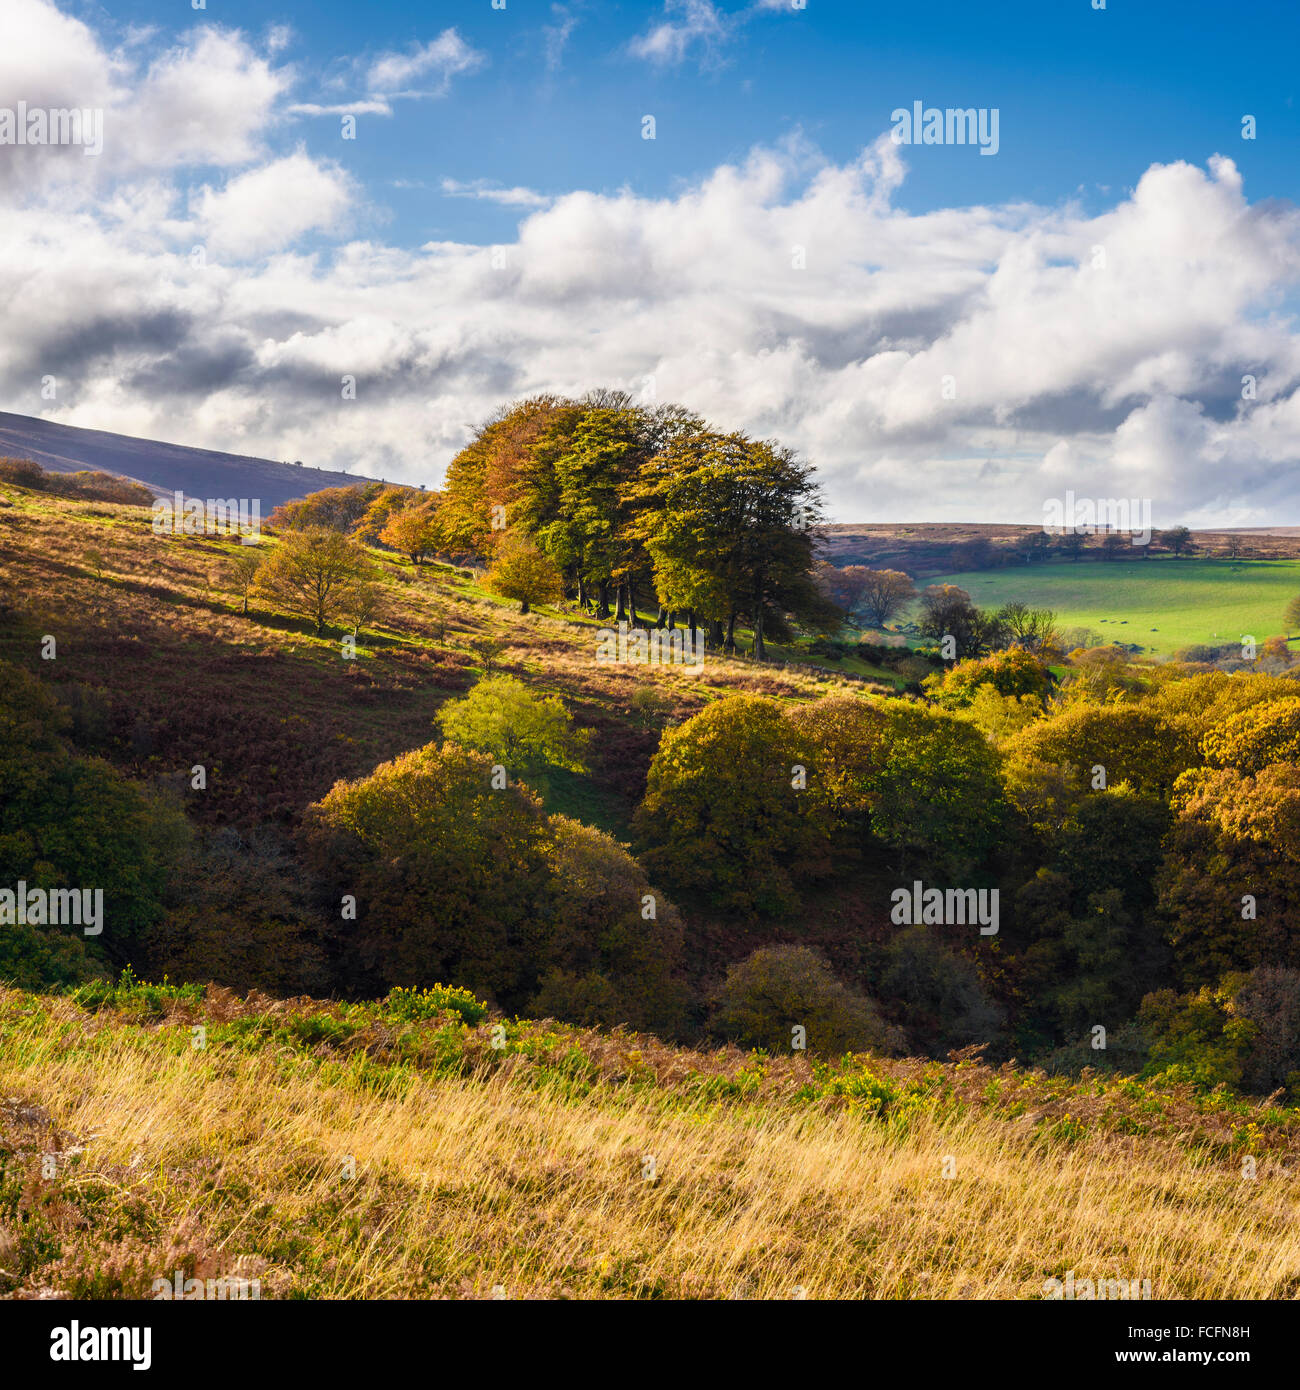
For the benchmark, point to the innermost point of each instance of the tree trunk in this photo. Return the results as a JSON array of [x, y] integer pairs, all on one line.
[[730, 644], [760, 650], [621, 615]]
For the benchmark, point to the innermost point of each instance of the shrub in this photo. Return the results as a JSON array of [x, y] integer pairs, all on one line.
[[779, 988]]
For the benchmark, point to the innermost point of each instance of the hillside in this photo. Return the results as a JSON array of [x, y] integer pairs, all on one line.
[[391, 1151], [502, 1073], [165, 468]]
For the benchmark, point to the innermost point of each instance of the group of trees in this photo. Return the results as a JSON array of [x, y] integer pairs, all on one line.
[[610, 504], [749, 799], [621, 507]]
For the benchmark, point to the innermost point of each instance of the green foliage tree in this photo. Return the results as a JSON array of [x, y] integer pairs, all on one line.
[[943, 1002], [939, 794], [1178, 539], [780, 988], [526, 733], [69, 821], [720, 811]]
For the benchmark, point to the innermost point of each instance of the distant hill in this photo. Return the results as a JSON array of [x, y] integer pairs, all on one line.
[[924, 549], [163, 467]]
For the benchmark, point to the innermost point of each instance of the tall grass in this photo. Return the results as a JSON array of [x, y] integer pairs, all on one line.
[[235, 1159]]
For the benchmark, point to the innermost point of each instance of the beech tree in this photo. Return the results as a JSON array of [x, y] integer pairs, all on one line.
[[522, 572], [413, 530]]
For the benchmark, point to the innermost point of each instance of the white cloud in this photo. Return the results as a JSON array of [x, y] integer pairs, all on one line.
[[687, 25], [486, 191], [372, 106], [555, 36], [428, 68], [273, 206], [784, 294]]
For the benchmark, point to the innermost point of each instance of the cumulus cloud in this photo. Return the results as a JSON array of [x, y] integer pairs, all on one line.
[[960, 363], [207, 101], [271, 207]]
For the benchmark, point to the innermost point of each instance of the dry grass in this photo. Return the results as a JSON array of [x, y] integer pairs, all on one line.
[[508, 1177]]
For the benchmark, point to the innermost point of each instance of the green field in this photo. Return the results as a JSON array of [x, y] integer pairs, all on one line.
[[1158, 604]]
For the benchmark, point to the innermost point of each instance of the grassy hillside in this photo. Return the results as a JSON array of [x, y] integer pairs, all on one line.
[[1159, 605], [150, 637], [570, 1163]]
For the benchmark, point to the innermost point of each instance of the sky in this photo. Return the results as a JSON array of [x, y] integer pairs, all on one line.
[[347, 233]]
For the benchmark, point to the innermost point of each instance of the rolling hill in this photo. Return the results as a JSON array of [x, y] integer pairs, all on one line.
[[160, 466]]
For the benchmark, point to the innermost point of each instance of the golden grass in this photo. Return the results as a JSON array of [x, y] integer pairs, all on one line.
[[222, 1161]]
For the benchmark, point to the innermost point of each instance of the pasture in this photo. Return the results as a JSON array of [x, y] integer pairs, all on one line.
[[1159, 605]]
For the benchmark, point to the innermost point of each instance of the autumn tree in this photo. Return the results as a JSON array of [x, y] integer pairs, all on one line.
[[1230, 884], [1126, 742], [331, 508], [778, 988], [1252, 738], [1015, 671], [522, 572], [434, 875], [310, 573], [360, 603], [413, 531], [433, 872], [244, 567]]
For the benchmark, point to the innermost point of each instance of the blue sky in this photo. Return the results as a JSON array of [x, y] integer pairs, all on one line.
[[1089, 99], [1106, 306]]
